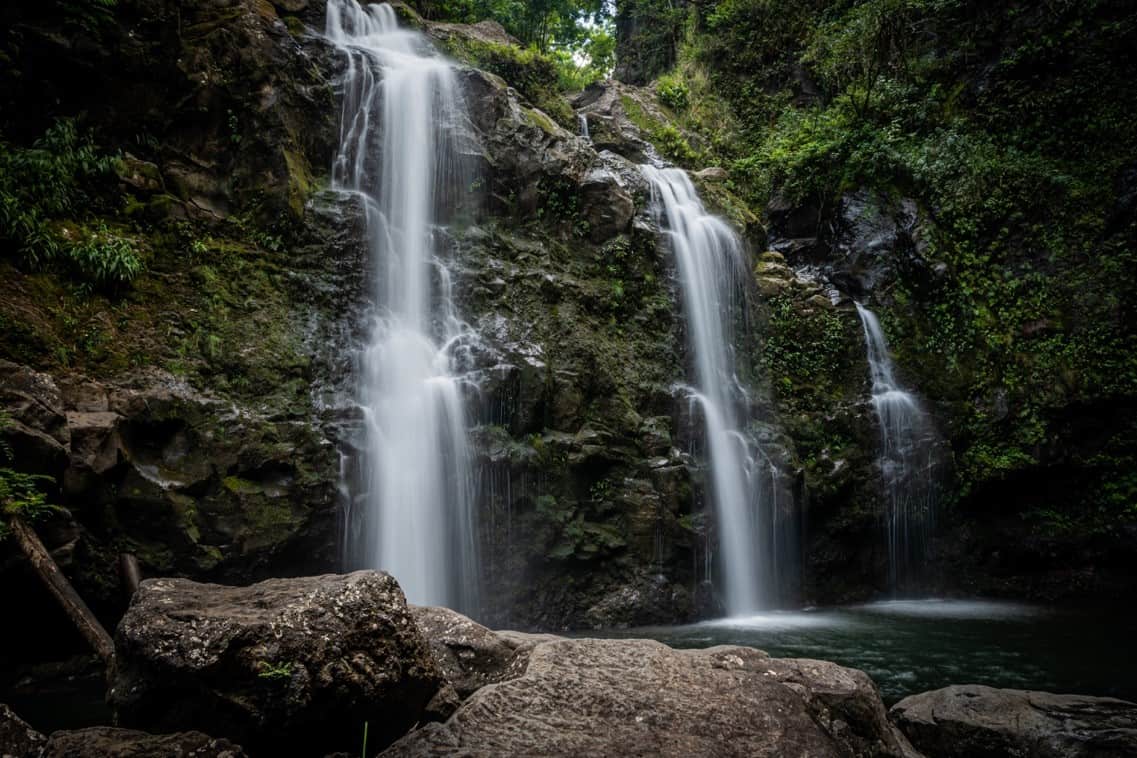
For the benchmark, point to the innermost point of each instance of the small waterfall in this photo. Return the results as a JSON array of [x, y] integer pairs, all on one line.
[[712, 268], [584, 126], [908, 460], [398, 153]]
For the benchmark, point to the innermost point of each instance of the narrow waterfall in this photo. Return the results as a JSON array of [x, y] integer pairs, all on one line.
[[398, 152], [583, 121], [711, 265], [908, 460]]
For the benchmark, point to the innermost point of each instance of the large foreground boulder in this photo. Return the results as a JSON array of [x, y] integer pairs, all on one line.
[[107, 742], [293, 665], [976, 721], [640, 698]]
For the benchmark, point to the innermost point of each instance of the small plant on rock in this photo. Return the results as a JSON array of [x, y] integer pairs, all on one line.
[[275, 671]]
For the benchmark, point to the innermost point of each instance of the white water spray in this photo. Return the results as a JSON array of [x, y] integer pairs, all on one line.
[[711, 266], [908, 458], [401, 106]]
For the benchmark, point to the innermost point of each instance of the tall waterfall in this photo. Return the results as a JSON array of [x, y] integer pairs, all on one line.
[[908, 459], [711, 265], [398, 151]]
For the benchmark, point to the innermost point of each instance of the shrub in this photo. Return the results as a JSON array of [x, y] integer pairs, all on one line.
[[51, 181], [21, 496], [105, 259], [673, 92]]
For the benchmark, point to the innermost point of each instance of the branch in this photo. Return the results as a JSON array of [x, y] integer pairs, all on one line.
[[48, 572]]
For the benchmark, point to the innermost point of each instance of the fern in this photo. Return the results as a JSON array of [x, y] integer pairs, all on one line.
[[49, 181]]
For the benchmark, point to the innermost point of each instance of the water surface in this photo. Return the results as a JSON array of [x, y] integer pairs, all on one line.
[[910, 646]]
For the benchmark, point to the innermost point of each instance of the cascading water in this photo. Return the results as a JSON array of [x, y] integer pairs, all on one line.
[[399, 153], [711, 268], [583, 121], [908, 459]]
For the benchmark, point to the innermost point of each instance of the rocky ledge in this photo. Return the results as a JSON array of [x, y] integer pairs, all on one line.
[[976, 721], [299, 666]]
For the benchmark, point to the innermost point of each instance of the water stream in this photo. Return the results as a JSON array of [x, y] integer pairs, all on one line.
[[398, 151], [907, 460], [711, 267]]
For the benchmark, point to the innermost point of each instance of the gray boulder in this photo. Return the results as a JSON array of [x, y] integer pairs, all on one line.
[[470, 655], [34, 424], [107, 742], [638, 698], [977, 721], [288, 664]]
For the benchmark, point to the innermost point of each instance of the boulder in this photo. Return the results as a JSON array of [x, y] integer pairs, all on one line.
[[470, 655], [108, 742], [33, 425], [610, 126], [639, 697], [297, 665], [646, 599], [17, 739], [607, 205], [976, 721]]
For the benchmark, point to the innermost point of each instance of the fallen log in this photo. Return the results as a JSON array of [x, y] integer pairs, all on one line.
[[48, 571]]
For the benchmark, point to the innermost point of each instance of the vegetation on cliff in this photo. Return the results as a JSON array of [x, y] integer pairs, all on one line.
[[1012, 126]]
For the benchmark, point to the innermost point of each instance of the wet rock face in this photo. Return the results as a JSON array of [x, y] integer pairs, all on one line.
[[864, 241], [288, 664], [228, 471], [651, 600], [105, 741], [569, 292], [17, 739], [637, 697], [976, 721], [186, 481], [609, 126], [526, 157]]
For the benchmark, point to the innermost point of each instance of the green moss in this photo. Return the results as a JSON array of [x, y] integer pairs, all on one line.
[[813, 354], [239, 486], [300, 182], [663, 134], [295, 26], [532, 73], [540, 120]]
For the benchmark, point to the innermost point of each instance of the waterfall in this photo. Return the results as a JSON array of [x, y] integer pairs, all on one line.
[[398, 153], [712, 267], [908, 459], [583, 120]]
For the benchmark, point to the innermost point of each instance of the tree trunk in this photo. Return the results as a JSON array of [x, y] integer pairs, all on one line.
[[48, 572]]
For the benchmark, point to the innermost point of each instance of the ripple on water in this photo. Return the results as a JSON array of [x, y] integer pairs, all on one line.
[[991, 610], [777, 621]]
